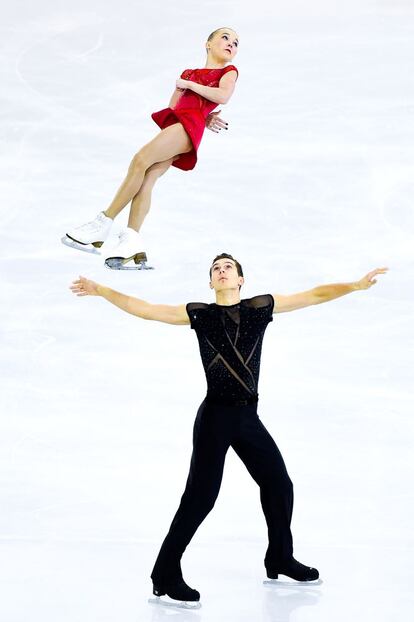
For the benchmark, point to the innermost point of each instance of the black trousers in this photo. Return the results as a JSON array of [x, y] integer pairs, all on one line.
[[216, 429]]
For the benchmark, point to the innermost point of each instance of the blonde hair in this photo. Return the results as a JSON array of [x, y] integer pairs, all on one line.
[[216, 31]]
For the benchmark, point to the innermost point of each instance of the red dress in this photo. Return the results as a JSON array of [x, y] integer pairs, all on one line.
[[191, 111]]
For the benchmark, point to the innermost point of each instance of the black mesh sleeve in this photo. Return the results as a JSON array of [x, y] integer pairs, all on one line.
[[193, 309], [265, 302]]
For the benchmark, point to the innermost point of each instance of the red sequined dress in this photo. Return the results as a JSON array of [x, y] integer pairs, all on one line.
[[192, 110]]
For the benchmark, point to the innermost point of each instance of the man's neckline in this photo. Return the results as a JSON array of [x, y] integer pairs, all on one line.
[[227, 306]]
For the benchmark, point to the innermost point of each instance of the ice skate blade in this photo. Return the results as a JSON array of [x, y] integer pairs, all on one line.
[[118, 263], [85, 248], [292, 583], [175, 604]]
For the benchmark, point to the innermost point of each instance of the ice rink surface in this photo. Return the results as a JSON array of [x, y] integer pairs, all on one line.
[[313, 183]]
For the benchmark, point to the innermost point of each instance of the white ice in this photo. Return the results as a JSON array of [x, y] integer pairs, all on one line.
[[313, 183]]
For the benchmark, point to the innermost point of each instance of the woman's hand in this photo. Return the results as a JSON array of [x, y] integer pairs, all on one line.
[[181, 84], [214, 123], [84, 287]]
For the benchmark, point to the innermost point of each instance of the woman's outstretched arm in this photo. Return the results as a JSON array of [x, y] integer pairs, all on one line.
[[170, 314]]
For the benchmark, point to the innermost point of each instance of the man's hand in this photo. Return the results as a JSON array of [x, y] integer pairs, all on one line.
[[369, 279], [324, 293], [170, 314], [84, 287], [214, 123]]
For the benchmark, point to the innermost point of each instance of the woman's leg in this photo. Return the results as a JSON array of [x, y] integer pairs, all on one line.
[[170, 142], [142, 200]]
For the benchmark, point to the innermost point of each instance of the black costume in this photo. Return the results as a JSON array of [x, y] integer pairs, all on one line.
[[230, 339]]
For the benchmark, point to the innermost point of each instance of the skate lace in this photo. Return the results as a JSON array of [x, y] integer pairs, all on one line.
[[93, 225], [122, 235]]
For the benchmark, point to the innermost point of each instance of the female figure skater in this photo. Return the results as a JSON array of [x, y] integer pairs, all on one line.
[[230, 334], [197, 93]]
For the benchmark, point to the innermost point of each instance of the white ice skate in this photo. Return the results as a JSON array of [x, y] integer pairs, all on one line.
[[90, 236], [127, 250]]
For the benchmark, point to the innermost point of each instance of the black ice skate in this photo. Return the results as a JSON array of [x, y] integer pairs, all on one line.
[[181, 595], [294, 570]]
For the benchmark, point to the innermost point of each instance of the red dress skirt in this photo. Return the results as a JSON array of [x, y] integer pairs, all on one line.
[[191, 111]]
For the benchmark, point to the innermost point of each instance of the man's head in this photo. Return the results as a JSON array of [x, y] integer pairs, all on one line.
[[225, 273]]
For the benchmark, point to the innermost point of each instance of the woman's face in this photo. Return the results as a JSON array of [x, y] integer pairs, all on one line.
[[223, 46]]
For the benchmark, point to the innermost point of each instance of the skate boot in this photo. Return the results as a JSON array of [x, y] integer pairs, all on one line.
[[181, 595], [126, 251], [90, 236], [295, 570]]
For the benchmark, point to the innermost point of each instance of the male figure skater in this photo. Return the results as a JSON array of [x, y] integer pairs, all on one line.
[[230, 333]]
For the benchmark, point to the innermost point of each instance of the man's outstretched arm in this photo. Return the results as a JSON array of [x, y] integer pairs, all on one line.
[[324, 293], [141, 308]]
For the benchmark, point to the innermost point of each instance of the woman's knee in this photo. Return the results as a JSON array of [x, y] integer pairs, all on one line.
[[156, 170], [139, 163], [143, 162]]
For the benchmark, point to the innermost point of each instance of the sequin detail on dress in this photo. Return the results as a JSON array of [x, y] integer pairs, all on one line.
[[192, 110]]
